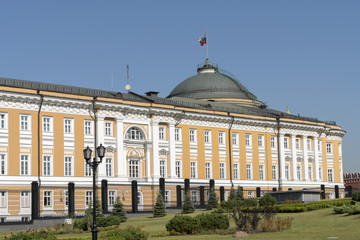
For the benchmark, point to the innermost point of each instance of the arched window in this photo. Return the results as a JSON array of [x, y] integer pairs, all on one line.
[[134, 133]]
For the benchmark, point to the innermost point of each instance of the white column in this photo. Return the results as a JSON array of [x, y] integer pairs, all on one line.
[[305, 156], [120, 160], [100, 140], [282, 157], [155, 150], [294, 158], [172, 156], [147, 163], [316, 158]]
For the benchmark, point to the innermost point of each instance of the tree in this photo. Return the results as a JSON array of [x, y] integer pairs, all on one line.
[[232, 195], [239, 194], [118, 210], [213, 200], [159, 208], [89, 212], [188, 206]]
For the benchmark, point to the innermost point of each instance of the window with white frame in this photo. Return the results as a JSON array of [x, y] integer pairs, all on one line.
[[134, 169], [177, 134], [161, 133], [88, 198], [250, 194], [24, 164], [248, 140], [308, 144], [297, 143], [167, 198], [236, 170], [330, 175], [192, 135], [298, 172], [88, 127], [47, 198], [109, 166], [66, 195], [3, 164], [68, 125], [261, 172], [207, 136], [222, 170], [25, 199], [287, 172], [248, 171], [221, 138], [68, 166], [3, 199], [207, 170], [178, 169], [235, 139], [193, 169], [47, 166], [87, 169], [111, 197], [47, 124], [108, 128], [320, 173], [261, 141], [286, 142], [194, 197], [273, 140], [162, 168], [134, 133], [3, 120], [273, 171], [24, 122], [310, 173], [329, 148]]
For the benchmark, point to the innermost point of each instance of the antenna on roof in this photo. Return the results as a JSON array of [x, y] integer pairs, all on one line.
[[127, 87]]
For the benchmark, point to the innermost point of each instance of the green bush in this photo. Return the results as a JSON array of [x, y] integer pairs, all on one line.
[[183, 224], [30, 235], [118, 210], [81, 224], [116, 233], [108, 221], [232, 195], [188, 206], [245, 203], [239, 194], [213, 200], [213, 221], [159, 208], [267, 200], [356, 196]]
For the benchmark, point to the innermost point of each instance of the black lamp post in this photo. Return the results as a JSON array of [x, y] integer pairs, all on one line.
[[87, 155]]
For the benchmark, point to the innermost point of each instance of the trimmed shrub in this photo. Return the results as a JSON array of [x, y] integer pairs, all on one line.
[[213, 200], [232, 195], [118, 210], [188, 206], [108, 221], [356, 196], [159, 208], [81, 224], [213, 221], [239, 194], [183, 224], [250, 202], [116, 233], [267, 200]]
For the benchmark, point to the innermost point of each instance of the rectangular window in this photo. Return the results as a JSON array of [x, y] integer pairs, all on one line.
[[310, 172], [25, 122], [207, 170], [193, 170], [274, 175], [2, 164], [25, 199], [112, 197], [330, 175], [273, 139], [47, 165], [286, 142], [88, 198], [221, 138], [320, 173], [261, 141], [192, 134], [88, 127], [2, 199], [298, 172], [250, 194], [236, 170], [248, 140], [287, 172], [297, 140], [68, 125], [87, 169], [194, 197], [207, 136], [177, 134], [134, 168], [68, 166], [248, 171], [162, 169], [47, 198], [24, 165], [178, 169], [167, 198], [308, 144], [3, 121], [66, 194], [108, 167], [261, 172], [161, 133], [222, 170], [235, 139], [47, 124], [329, 148], [108, 128]]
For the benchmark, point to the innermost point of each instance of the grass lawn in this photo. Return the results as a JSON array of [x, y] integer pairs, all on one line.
[[319, 224]]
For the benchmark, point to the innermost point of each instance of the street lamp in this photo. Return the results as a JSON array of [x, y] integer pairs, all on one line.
[[87, 155]]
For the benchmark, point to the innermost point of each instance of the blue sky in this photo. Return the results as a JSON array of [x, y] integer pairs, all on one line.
[[301, 53]]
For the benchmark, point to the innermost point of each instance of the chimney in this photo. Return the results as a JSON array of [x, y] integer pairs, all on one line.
[[152, 94]]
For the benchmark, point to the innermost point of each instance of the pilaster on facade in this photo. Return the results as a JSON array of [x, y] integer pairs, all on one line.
[[172, 148], [293, 157], [100, 140], [316, 158], [282, 157], [305, 158], [155, 149], [121, 165]]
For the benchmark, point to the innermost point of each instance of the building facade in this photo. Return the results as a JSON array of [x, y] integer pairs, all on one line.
[[209, 127]]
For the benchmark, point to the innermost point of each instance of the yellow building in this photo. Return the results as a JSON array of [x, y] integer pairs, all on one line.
[[209, 127]]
